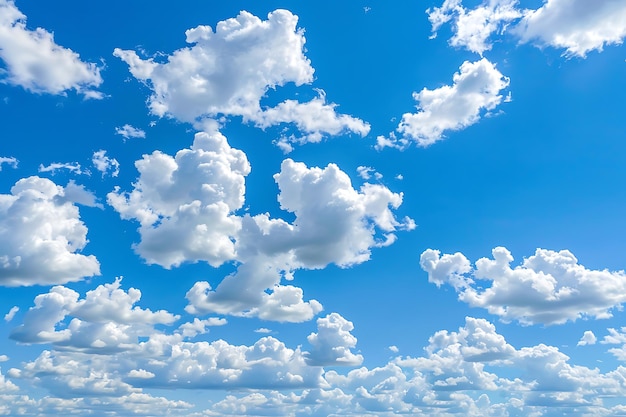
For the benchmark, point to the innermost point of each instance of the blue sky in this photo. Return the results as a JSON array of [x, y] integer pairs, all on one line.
[[312, 208]]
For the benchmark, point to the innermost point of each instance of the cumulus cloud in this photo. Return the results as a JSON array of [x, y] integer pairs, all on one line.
[[334, 223], [35, 62], [128, 132], [332, 343], [548, 287], [220, 75], [196, 327], [475, 90], [473, 28], [106, 320], [41, 236], [185, 203], [574, 25], [10, 161], [473, 371], [588, 339], [104, 164]]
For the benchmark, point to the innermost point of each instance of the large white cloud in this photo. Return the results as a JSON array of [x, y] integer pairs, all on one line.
[[105, 321], [578, 26], [548, 287], [476, 89], [41, 234], [228, 71], [34, 61], [185, 203], [334, 223]]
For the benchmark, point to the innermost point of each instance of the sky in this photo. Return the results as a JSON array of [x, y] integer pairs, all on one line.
[[297, 208]]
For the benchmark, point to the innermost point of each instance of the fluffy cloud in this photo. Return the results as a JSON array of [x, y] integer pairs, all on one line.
[[228, 71], [476, 89], [332, 343], [104, 164], [106, 320], [457, 375], [263, 296], [185, 203], [128, 132], [10, 161], [472, 28], [334, 223], [588, 339], [35, 62], [41, 235], [574, 25], [549, 287]]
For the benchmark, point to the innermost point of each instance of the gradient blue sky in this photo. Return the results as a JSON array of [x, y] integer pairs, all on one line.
[[300, 208]]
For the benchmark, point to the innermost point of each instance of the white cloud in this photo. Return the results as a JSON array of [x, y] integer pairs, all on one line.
[[588, 339], [332, 343], [549, 287], [9, 316], [105, 321], [73, 167], [104, 164], [473, 28], [185, 203], [459, 374], [578, 26], [196, 327], [476, 89], [334, 223], [263, 330], [263, 298], [34, 61], [10, 161], [40, 236], [367, 172], [394, 349], [128, 132], [220, 75], [140, 373]]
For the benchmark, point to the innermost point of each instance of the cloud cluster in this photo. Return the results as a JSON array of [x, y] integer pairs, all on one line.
[[229, 71], [576, 26], [457, 375], [41, 234], [548, 287], [334, 223], [104, 344], [35, 62]]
